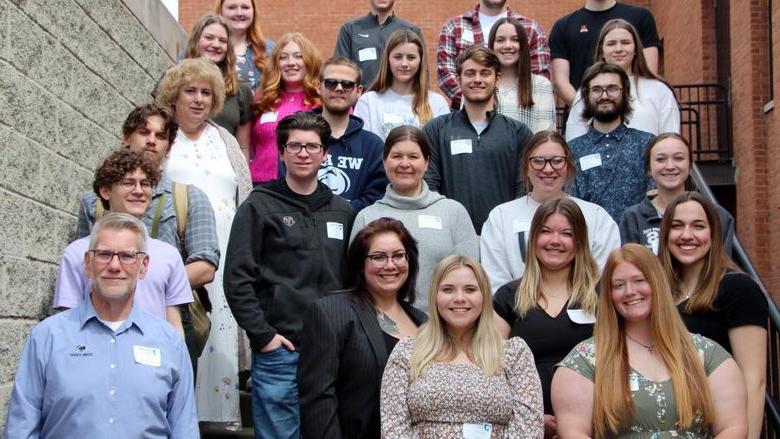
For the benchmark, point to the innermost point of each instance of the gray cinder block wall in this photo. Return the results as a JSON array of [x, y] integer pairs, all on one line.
[[70, 71]]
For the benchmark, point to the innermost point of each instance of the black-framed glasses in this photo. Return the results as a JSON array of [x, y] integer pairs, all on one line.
[[612, 90], [556, 162], [130, 184], [126, 258], [296, 147], [332, 84], [380, 259]]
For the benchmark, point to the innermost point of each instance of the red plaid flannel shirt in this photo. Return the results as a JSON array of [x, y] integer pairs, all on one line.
[[452, 44]]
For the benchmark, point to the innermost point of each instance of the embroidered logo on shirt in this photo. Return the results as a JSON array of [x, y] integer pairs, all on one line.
[[288, 221], [81, 351], [583, 29]]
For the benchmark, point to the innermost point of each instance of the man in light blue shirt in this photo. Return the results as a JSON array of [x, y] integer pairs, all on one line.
[[106, 368]]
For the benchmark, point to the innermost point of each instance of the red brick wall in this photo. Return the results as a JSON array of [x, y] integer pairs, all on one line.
[[773, 151]]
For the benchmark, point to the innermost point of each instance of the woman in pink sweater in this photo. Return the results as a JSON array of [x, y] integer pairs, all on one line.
[[289, 85]]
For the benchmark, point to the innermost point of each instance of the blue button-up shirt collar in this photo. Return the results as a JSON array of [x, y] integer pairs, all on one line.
[[88, 313]]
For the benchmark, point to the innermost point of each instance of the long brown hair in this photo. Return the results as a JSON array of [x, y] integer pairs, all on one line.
[[254, 35], [523, 67], [228, 66], [583, 273], [613, 406], [270, 88], [639, 65], [384, 78], [716, 263]]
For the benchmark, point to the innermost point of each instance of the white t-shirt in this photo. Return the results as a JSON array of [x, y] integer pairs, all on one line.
[[486, 22], [383, 112]]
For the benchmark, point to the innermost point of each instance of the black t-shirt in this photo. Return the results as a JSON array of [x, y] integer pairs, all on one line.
[[739, 302], [549, 338], [574, 36]]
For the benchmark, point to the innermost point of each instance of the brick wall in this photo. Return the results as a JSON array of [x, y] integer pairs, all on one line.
[[772, 119]]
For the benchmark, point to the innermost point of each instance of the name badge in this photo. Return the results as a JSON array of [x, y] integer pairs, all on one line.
[[335, 230], [268, 117], [462, 146], [477, 431], [367, 54], [634, 382], [467, 35], [392, 118], [429, 222], [590, 161], [581, 317], [520, 226], [147, 356]]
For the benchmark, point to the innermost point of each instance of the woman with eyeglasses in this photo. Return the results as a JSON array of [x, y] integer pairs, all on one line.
[[251, 49], [400, 94], [548, 168], [348, 336], [668, 161], [522, 95], [440, 226], [289, 85], [654, 106]]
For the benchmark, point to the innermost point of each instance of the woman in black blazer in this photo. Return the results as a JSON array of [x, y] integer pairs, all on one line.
[[348, 336]]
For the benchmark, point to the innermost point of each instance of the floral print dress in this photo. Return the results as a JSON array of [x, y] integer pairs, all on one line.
[[655, 410]]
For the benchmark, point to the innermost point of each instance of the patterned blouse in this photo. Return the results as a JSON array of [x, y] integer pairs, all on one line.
[[538, 117], [655, 410], [449, 396]]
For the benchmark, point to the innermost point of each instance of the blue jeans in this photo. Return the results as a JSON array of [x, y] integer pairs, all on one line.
[[275, 407]]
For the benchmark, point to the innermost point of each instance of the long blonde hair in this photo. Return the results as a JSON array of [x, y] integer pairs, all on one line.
[[268, 93], [228, 65], [384, 78], [613, 406], [434, 343], [254, 35], [583, 273]]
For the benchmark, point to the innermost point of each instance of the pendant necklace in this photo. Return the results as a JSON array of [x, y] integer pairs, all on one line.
[[650, 348]]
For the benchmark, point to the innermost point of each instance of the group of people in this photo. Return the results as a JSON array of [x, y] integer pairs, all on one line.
[[385, 261]]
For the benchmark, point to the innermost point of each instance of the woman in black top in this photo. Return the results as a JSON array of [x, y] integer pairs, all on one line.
[[348, 336], [714, 298], [552, 306]]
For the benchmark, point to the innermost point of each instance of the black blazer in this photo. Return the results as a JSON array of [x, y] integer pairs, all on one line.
[[342, 358]]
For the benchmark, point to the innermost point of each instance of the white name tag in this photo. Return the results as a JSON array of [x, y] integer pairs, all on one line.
[[392, 118], [468, 36], [634, 382], [429, 222], [147, 356], [462, 146], [520, 226], [268, 117], [581, 317], [590, 161], [367, 54], [477, 431], [335, 230]]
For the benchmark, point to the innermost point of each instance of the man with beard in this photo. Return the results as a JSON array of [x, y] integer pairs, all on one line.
[[106, 368], [353, 167], [610, 169], [475, 152], [363, 39], [472, 28]]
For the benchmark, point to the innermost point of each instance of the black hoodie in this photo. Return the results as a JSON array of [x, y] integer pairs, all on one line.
[[285, 251]]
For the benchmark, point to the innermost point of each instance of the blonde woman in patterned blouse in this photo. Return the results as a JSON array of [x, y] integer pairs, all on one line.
[[653, 378], [521, 95], [458, 378]]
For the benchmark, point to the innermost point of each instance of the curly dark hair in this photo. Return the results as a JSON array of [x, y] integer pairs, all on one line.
[[120, 163]]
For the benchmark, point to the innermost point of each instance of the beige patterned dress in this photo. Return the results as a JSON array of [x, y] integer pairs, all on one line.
[[437, 404]]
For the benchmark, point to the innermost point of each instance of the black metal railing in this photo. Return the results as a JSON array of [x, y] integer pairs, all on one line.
[[705, 120], [741, 257]]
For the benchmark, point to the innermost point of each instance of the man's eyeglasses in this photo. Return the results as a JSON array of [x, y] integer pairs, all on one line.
[[126, 258], [556, 162], [346, 85], [612, 90], [296, 147], [130, 184], [380, 259]]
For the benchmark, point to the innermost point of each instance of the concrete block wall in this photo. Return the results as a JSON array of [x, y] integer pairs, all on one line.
[[70, 71]]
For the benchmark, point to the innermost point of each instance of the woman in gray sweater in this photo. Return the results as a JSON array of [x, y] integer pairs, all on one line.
[[441, 226]]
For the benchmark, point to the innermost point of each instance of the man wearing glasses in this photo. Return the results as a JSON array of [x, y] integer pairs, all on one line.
[[105, 368], [609, 157], [286, 249], [124, 183], [353, 167]]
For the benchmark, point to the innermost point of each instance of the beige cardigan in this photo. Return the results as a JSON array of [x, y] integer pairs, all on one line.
[[237, 161]]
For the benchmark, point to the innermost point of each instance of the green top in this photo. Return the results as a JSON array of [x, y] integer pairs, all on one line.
[[655, 410]]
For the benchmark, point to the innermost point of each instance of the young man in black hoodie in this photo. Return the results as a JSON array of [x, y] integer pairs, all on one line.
[[286, 249]]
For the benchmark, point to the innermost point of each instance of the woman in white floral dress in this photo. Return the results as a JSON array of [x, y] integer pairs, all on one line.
[[207, 156]]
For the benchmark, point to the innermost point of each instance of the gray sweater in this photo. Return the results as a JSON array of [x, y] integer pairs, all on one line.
[[441, 226]]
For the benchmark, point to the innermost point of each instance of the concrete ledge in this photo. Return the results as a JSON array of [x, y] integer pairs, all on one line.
[[161, 24]]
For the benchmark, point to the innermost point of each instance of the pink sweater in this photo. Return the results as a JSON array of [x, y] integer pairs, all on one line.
[[265, 161]]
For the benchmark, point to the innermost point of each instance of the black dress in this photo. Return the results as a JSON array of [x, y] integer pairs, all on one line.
[[739, 302], [550, 338]]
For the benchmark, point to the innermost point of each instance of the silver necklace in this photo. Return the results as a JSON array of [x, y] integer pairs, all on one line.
[[650, 348]]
